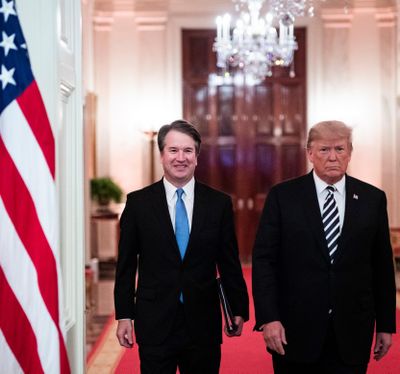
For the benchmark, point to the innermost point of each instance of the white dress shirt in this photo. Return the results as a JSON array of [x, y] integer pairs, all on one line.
[[339, 195], [187, 197]]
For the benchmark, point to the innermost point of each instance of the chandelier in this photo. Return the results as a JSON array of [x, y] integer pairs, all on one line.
[[257, 43]]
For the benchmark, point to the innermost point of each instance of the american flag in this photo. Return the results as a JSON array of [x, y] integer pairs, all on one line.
[[31, 336]]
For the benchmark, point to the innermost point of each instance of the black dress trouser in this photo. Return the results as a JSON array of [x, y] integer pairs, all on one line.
[[329, 362], [179, 351]]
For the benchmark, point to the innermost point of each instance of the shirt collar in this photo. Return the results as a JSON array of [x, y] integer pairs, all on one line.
[[170, 189], [320, 185]]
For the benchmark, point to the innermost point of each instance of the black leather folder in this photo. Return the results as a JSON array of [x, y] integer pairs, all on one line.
[[226, 309]]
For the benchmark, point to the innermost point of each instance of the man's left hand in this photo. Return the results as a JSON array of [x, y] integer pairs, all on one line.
[[383, 342], [239, 323]]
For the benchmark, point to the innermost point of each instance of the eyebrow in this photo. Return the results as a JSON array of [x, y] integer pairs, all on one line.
[[178, 147]]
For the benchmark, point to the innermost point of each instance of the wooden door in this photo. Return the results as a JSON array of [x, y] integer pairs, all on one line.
[[252, 136]]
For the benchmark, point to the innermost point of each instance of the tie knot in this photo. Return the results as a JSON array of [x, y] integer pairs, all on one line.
[[179, 192], [331, 189]]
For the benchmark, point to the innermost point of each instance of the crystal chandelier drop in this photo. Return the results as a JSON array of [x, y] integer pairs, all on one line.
[[257, 43]]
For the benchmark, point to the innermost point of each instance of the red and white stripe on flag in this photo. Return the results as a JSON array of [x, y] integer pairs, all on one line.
[[31, 336]]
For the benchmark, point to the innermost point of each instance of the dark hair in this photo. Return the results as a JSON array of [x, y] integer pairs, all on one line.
[[182, 126], [330, 130]]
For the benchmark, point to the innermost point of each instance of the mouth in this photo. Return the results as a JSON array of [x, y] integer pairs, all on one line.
[[333, 169], [180, 167]]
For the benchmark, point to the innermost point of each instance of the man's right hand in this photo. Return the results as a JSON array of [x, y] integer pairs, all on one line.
[[125, 333], [274, 336]]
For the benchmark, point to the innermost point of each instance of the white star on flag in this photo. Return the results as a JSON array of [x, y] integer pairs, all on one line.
[[6, 77], [8, 43], [7, 9]]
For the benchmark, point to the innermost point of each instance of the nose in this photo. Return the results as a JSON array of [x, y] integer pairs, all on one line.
[[332, 154], [180, 156]]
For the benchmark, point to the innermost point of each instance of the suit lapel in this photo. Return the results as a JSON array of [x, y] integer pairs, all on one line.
[[313, 213], [161, 212], [350, 214]]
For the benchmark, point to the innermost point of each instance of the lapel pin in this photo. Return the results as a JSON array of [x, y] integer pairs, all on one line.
[[355, 197]]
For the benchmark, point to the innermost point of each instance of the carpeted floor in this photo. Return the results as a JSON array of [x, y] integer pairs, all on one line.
[[243, 355], [240, 355]]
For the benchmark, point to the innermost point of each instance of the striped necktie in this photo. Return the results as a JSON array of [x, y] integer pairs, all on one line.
[[331, 222]]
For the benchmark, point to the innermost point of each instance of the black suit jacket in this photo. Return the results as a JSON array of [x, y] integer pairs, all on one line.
[[294, 282], [148, 249]]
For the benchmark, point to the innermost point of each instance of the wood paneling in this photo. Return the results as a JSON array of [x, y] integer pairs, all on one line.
[[253, 136]]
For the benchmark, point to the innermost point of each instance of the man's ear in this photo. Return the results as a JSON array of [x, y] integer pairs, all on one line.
[[309, 155]]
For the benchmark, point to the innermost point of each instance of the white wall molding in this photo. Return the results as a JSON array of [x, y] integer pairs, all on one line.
[[103, 21], [336, 18], [66, 90], [387, 39], [71, 176], [148, 21], [386, 17]]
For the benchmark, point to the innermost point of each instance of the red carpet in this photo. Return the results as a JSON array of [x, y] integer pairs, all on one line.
[[100, 339], [247, 354]]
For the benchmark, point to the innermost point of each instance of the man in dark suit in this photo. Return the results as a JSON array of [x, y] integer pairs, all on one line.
[[323, 273], [175, 304]]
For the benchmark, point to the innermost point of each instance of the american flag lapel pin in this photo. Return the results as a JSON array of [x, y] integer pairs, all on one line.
[[355, 196]]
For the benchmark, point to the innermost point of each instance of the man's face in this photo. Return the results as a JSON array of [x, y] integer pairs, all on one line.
[[178, 158], [330, 158]]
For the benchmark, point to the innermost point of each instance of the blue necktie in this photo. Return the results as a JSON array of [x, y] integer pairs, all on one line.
[[181, 226], [181, 223]]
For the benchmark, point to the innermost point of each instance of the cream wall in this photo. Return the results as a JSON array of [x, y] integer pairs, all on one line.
[[351, 65], [358, 86]]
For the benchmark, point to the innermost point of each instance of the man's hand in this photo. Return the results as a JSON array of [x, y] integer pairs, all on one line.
[[125, 333], [274, 336], [383, 342], [239, 323]]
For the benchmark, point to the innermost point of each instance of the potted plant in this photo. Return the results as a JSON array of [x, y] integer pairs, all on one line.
[[104, 190]]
